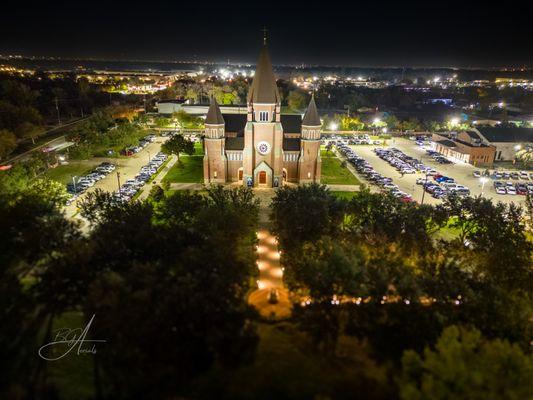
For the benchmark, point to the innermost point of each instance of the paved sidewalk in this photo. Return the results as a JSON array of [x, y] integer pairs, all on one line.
[[187, 186], [344, 188], [271, 299]]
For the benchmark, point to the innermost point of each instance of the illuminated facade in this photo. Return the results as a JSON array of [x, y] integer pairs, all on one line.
[[262, 147]]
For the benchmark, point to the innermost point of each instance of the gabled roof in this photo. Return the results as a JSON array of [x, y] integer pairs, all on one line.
[[214, 116], [311, 117], [507, 134], [234, 143], [291, 123], [235, 122], [291, 144], [264, 88]]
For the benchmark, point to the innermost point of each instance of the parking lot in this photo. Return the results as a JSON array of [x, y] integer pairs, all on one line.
[[127, 167], [462, 173]]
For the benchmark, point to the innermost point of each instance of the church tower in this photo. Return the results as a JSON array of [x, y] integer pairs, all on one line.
[[309, 162], [214, 154], [263, 135]]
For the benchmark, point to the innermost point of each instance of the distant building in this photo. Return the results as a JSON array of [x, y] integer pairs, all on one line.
[[507, 140], [483, 146], [467, 147], [262, 147]]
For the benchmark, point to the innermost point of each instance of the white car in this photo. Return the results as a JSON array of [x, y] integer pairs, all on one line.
[[511, 190], [500, 190]]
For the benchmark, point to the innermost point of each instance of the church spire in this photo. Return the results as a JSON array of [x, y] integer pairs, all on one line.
[[311, 117], [214, 116], [264, 88]]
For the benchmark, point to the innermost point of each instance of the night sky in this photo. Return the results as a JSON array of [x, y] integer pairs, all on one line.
[[371, 33]]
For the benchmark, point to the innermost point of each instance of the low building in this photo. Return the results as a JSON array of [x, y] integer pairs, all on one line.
[[507, 140], [467, 147]]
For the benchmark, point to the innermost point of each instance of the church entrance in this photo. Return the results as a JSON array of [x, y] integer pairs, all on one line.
[[262, 178]]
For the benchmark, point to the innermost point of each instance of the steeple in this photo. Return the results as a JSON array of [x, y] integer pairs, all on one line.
[[214, 116], [311, 117], [264, 88]]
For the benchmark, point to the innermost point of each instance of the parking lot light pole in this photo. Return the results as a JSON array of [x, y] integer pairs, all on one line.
[[483, 180], [74, 182], [148, 155]]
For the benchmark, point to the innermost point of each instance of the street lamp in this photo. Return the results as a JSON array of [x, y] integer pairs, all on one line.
[[518, 147], [74, 182], [148, 155], [483, 180], [333, 126], [424, 189]]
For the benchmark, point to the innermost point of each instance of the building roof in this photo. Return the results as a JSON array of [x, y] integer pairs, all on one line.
[[214, 116], [235, 143], [235, 122], [264, 88], [447, 143], [473, 135], [291, 123], [507, 134], [291, 144], [311, 117]]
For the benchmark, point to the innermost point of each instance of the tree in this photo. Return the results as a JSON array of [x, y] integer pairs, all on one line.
[[28, 130], [8, 143], [178, 144], [465, 366], [297, 100]]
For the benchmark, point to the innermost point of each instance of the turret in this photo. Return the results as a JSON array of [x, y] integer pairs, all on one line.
[[311, 122], [214, 143], [214, 121], [310, 162]]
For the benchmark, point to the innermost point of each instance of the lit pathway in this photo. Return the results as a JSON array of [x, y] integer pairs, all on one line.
[[271, 299]]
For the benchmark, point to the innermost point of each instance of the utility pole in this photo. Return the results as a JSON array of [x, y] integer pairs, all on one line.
[[424, 189], [118, 180], [57, 109]]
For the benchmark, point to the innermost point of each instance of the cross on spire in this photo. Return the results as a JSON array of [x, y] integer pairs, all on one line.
[[265, 30]]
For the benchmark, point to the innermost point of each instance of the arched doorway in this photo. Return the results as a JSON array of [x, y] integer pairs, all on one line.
[[262, 177], [240, 174]]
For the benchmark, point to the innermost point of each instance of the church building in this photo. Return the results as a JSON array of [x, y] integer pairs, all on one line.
[[262, 147]]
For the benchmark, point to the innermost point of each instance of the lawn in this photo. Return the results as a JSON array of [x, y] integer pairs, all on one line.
[[190, 169], [334, 174], [64, 173]]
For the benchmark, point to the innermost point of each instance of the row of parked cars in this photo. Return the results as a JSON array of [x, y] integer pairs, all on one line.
[[402, 162], [438, 157], [511, 188], [132, 186], [145, 141], [82, 183], [442, 186], [506, 175], [366, 170], [350, 139]]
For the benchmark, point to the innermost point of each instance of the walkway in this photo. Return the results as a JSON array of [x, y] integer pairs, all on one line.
[[271, 299]]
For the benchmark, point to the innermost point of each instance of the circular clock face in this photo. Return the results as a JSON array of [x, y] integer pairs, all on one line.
[[263, 148]]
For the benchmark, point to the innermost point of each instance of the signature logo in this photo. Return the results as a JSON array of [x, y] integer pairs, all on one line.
[[67, 339]]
